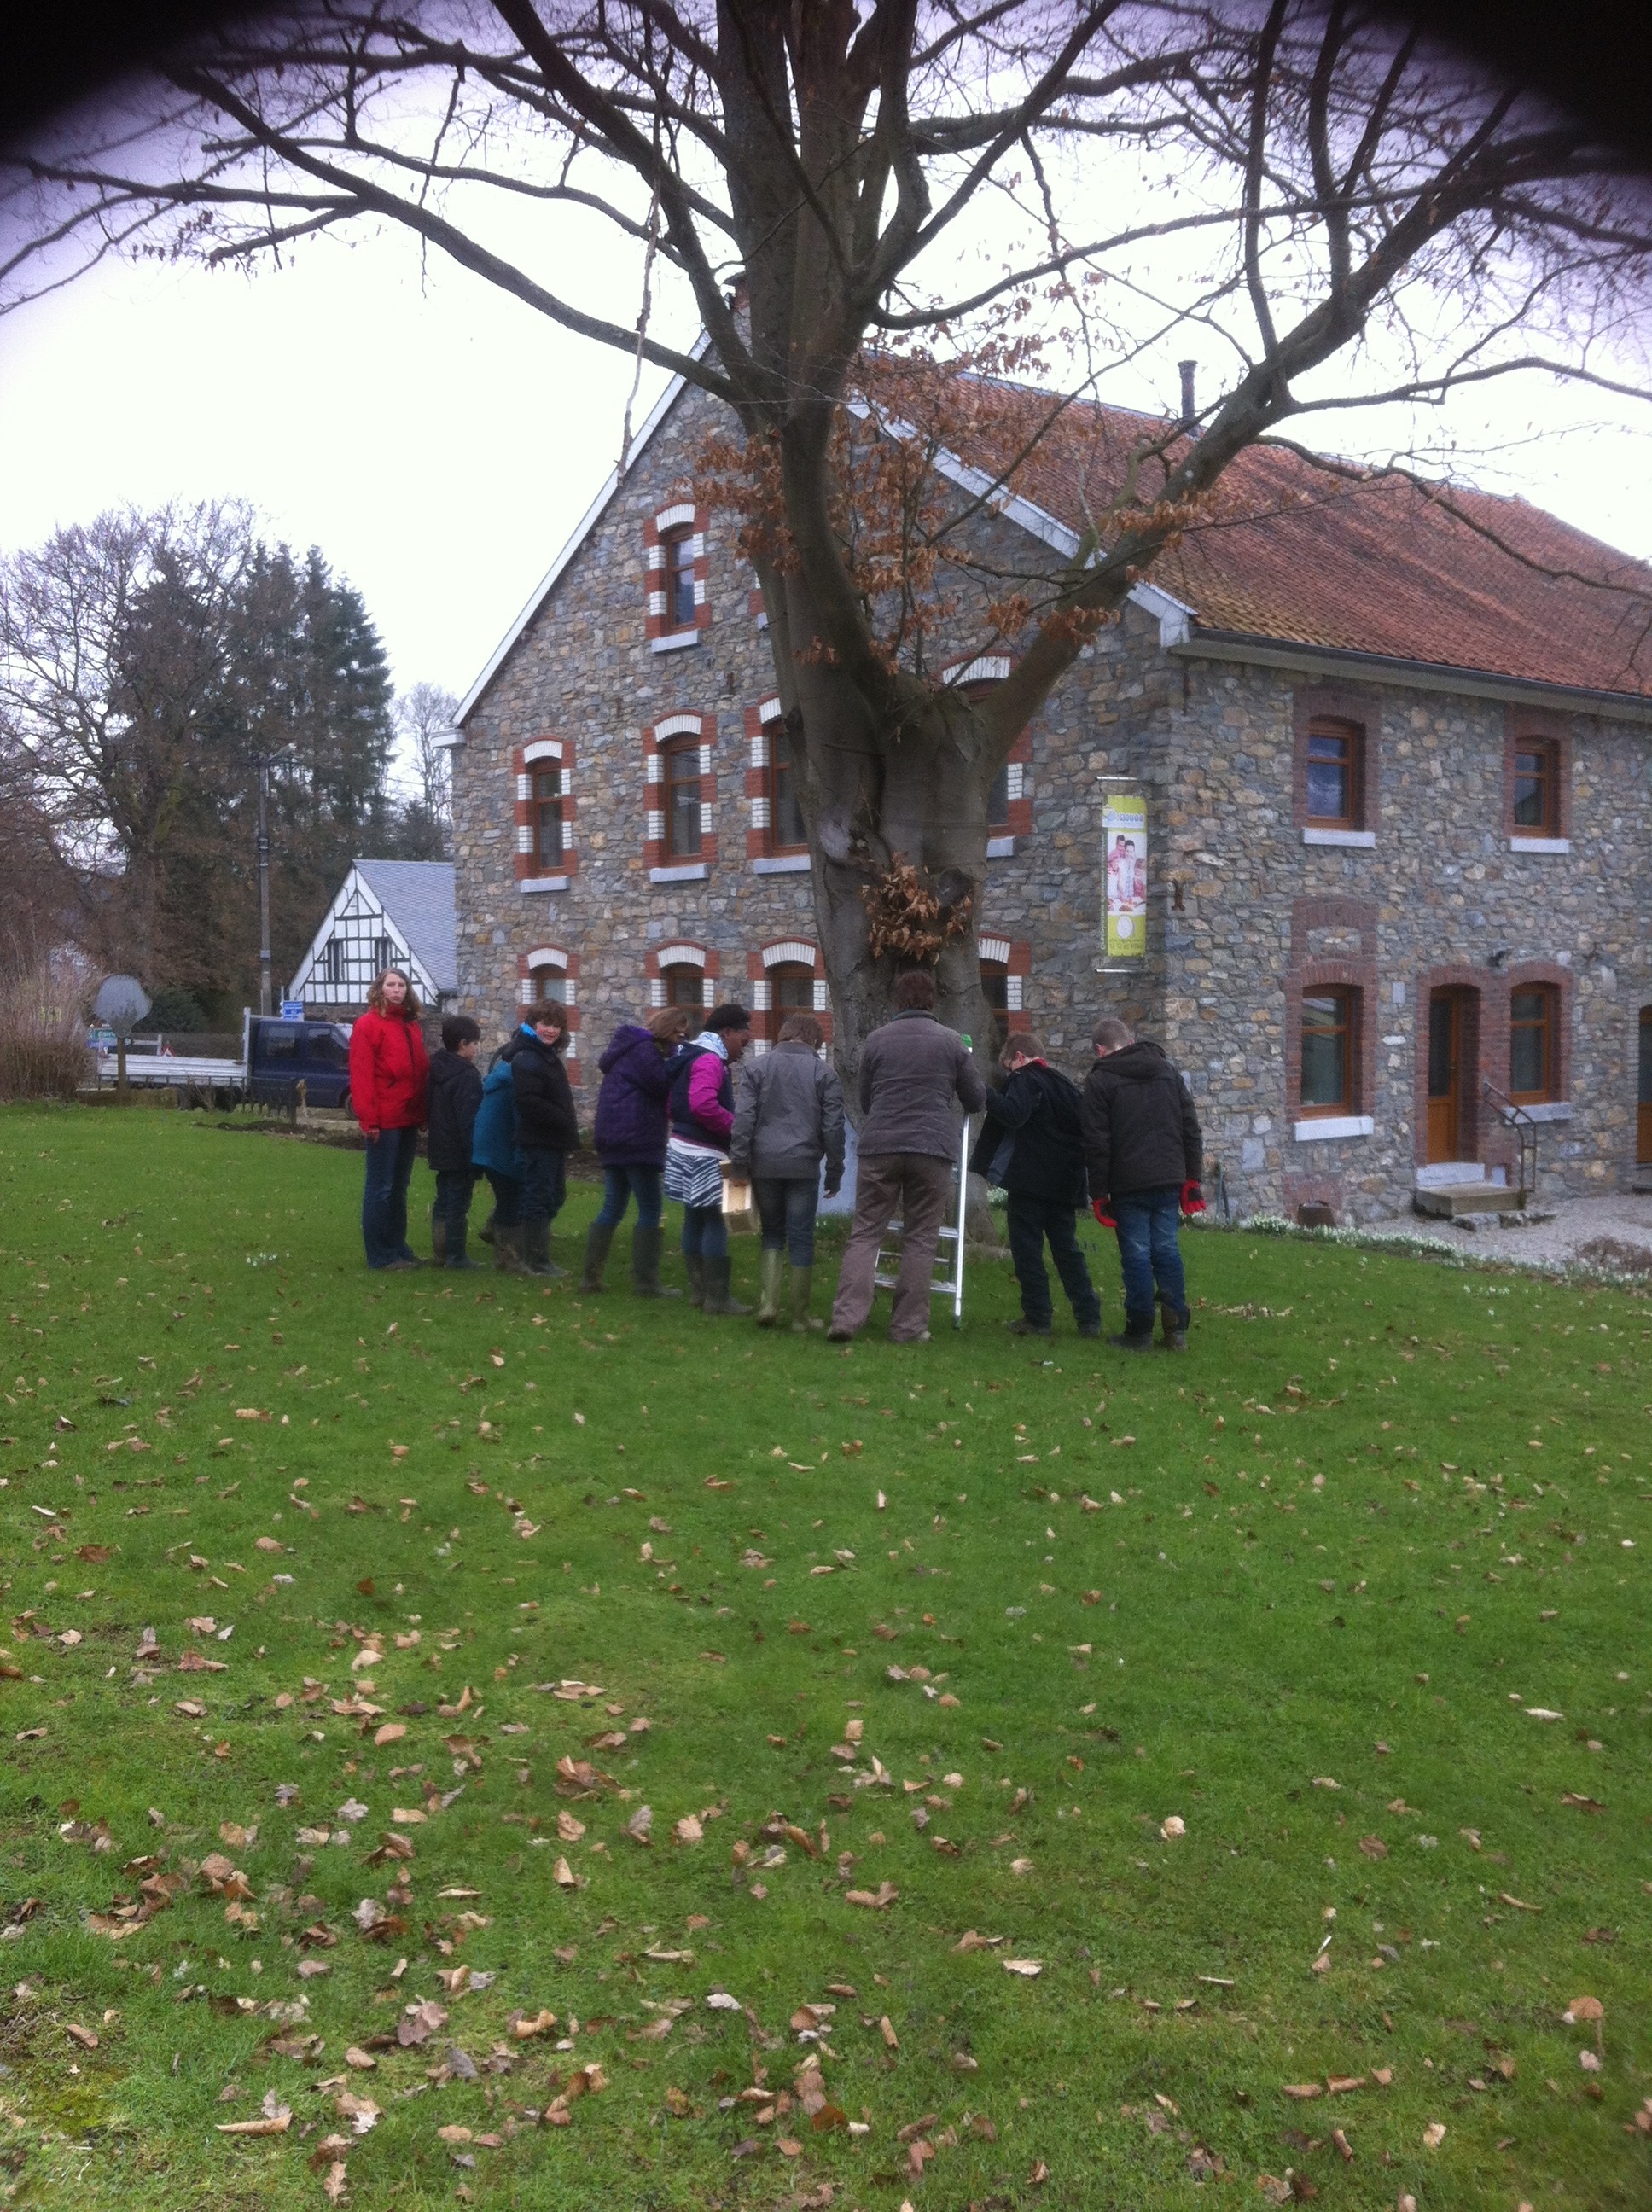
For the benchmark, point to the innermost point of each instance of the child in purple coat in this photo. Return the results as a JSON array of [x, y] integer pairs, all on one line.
[[637, 1070]]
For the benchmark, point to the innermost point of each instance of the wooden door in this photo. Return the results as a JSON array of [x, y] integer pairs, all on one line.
[[1643, 1117], [1445, 1043]]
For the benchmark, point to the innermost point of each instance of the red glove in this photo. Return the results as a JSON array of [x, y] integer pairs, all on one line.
[[1193, 1201], [1098, 1207]]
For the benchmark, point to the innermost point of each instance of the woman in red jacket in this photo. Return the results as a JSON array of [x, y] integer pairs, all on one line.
[[387, 1088]]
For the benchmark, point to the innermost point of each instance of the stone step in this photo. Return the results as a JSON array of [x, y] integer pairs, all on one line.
[[1447, 1202]]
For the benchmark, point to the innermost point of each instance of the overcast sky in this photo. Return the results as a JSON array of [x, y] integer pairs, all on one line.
[[438, 440]]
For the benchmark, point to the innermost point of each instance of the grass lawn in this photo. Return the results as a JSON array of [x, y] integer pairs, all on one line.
[[1277, 1716]]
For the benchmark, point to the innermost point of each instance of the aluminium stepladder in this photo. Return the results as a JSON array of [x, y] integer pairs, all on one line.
[[948, 1281]]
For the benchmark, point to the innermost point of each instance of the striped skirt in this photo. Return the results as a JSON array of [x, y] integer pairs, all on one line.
[[693, 1173]]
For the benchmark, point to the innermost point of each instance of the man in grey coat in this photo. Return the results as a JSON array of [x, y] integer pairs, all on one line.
[[915, 1074], [788, 1118]]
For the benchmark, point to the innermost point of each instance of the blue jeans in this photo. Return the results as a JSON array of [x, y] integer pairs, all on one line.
[[705, 1233], [620, 1185], [1149, 1252], [785, 1209], [452, 1206], [544, 1186], [390, 1158]]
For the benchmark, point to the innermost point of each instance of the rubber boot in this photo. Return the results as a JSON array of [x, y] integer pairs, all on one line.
[[486, 1232], [647, 1245], [769, 1265], [1138, 1334], [507, 1249], [598, 1240], [456, 1253], [803, 1285], [718, 1299], [1174, 1326], [697, 1266], [536, 1248], [439, 1238], [1023, 1327]]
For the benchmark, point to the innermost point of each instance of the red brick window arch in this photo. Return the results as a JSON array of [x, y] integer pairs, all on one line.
[[1008, 801], [787, 977], [678, 573], [544, 771], [548, 975], [682, 974], [682, 790], [775, 831]]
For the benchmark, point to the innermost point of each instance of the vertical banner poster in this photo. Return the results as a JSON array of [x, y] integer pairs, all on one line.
[[1124, 838]]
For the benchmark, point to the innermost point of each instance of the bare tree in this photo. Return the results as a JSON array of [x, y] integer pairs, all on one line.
[[1313, 186], [114, 643], [421, 715]]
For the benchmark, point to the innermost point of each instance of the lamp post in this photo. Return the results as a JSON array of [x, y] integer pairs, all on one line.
[[263, 762]]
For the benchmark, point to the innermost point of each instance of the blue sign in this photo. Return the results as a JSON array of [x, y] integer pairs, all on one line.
[[292, 1010]]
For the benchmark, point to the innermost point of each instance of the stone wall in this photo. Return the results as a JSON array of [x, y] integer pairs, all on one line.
[[1242, 910]]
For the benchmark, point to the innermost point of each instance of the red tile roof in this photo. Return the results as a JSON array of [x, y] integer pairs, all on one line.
[[1371, 563]]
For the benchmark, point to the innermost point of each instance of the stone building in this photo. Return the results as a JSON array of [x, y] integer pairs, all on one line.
[[1395, 753]]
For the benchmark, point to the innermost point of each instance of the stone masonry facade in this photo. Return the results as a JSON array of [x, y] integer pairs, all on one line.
[[1432, 891]]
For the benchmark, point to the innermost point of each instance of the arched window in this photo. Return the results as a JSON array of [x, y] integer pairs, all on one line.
[[679, 580], [547, 822], [1329, 1032], [785, 814], [684, 986], [792, 986], [995, 987], [1335, 774], [1533, 1062], [998, 802], [681, 792]]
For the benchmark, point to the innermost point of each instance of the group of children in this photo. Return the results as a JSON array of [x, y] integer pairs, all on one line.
[[675, 1120]]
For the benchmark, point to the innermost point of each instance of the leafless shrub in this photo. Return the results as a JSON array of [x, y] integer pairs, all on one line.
[[43, 1048]]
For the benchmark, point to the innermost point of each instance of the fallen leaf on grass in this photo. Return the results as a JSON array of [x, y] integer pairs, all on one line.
[[564, 1875], [1029, 1969], [1301, 2090], [688, 1830], [878, 1900], [362, 2060], [1373, 1847], [83, 2036], [970, 1941], [1517, 1904], [419, 2022]]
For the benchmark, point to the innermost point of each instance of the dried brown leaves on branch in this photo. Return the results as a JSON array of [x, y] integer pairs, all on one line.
[[906, 920]]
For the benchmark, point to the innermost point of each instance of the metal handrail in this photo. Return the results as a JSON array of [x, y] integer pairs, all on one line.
[[1524, 1128]]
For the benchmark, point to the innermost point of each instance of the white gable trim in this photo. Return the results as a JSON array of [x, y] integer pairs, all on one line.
[[582, 530]]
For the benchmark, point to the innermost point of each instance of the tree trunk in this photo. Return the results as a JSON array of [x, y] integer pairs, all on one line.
[[880, 784]]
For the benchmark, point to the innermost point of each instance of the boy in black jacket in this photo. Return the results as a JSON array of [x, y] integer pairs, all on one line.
[[454, 1094], [1029, 1146], [1145, 1155], [547, 1130]]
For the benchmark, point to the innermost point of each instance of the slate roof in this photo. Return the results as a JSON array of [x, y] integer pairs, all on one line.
[[1365, 561], [418, 896]]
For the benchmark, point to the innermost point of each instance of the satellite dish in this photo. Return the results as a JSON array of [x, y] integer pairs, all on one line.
[[121, 1004]]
